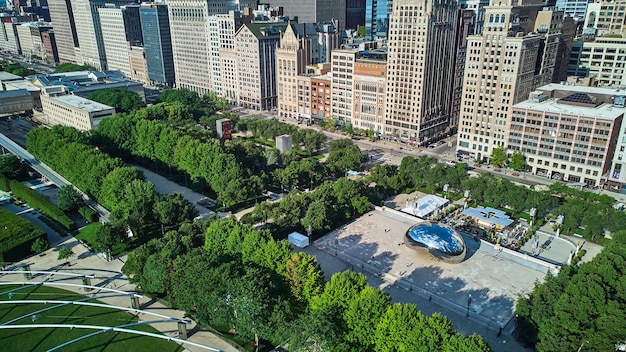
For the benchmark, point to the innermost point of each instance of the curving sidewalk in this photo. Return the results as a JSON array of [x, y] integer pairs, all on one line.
[[108, 274]]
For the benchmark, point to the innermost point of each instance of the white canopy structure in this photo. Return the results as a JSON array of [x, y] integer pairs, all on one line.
[[425, 206]]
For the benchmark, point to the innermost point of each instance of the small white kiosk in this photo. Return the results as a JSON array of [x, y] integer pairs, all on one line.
[[297, 239]]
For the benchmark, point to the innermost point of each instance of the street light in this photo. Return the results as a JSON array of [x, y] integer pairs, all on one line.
[[469, 302]]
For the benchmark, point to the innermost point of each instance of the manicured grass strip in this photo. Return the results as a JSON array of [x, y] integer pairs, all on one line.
[[44, 339]]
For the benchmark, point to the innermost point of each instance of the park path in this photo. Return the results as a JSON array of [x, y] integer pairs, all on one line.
[[108, 275]]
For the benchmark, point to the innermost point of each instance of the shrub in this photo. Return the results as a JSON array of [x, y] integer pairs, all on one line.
[[17, 236], [38, 202], [5, 185], [89, 214]]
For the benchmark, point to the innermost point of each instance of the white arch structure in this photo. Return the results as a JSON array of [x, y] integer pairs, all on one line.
[[105, 329], [80, 302]]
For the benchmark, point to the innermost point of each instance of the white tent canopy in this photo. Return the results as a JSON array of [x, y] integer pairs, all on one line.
[[297, 239], [425, 206]]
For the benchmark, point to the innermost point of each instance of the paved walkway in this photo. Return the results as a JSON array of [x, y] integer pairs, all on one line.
[[108, 274]]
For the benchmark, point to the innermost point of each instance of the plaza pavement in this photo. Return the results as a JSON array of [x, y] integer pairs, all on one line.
[[373, 245], [108, 275]]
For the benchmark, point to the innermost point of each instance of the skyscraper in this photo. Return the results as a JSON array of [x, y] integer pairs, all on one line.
[[355, 13], [422, 39], [119, 26], [504, 64], [62, 17], [191, 47], [89, 32], [312, 11], [157, 41], [377, 18]]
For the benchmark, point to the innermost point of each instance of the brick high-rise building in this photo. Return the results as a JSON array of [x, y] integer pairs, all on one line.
[[300, 45]]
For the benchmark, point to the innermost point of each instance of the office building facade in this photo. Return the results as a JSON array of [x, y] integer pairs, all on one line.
[[62, 16], [607, 18], [604, 59], [300, 45], [355, 13], [575, 9], [502, 67], [313, 11], [377, 19], [157, 42], [569, 133], [119, 26], [422, 39], [256, 45]]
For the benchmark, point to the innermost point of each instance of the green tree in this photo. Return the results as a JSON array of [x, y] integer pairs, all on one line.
[[343, 288], [65, 253], [121, 99], [305, 277], [108, 236], [69, 67], [361, 31], [317, 216], [363, 314], [40, 245], [518, 161], [19, 70], [12, 167], [498, 157], [70, 199], [173, 209]]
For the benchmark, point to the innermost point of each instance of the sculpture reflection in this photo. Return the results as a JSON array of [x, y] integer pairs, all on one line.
[[439, 240]]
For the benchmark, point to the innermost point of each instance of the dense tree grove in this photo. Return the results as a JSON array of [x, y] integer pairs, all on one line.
[[244, 280], [120, 188], [12, 167], [167, 147], [327, 205], [581, 306], [69, 67], [121, 99], [18, 70]]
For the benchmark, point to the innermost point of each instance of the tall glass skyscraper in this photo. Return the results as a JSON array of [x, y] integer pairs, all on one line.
[[377, 18], [157, 42]]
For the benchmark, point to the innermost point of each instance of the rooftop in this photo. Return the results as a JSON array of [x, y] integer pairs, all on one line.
[[582, 89], [425, 205], [23, 84], [263, 29], [14, 93], [6, 76], [552, 105], [81, 103], [487, 214]]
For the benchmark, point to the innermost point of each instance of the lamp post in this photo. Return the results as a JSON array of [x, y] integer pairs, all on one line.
[[469, 302], [559, 221]]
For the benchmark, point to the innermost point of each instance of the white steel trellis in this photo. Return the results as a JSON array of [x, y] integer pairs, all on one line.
[[81, 302]]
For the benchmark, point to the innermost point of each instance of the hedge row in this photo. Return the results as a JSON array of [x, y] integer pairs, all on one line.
[[89, 214], [16, 236], [4, 183], [38, 202]]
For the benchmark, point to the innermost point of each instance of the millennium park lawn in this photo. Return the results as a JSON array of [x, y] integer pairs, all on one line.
[[43, 339]]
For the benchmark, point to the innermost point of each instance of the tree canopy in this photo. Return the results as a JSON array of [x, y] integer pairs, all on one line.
[[586, 303], [121, 99], [70, 67]]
